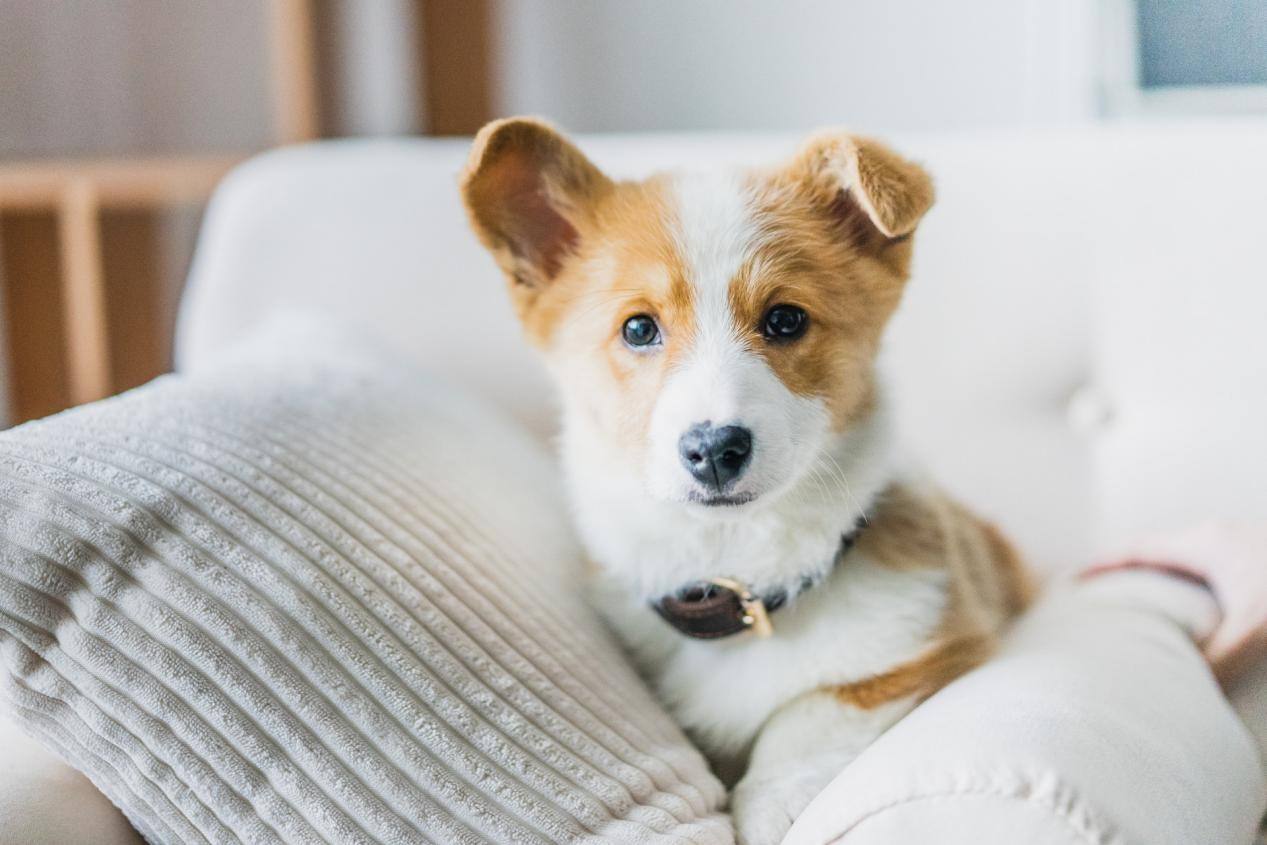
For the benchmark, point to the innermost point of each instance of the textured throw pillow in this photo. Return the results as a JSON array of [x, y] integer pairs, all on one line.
[[311, 596]]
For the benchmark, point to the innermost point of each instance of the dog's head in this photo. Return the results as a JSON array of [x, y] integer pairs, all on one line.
[[711, 334]]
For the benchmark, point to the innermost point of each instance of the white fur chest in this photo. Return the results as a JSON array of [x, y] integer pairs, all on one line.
[[864, 620]]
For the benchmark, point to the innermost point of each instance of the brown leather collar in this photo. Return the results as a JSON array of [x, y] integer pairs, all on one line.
[[723, 607]]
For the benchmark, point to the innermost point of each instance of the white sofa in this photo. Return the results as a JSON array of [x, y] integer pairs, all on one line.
[[1077, 354], [1081, 354]]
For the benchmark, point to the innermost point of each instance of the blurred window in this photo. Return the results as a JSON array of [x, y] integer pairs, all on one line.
[[1202, 42]]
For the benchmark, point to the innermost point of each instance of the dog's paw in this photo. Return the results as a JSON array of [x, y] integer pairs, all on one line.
[[763, 810]]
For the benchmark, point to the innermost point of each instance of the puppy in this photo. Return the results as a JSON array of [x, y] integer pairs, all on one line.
[[727, 443]]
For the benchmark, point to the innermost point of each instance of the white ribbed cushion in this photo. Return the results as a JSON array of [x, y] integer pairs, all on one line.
[[309, 596]]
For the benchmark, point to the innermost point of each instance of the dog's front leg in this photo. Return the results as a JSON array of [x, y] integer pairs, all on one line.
[[802, 747]]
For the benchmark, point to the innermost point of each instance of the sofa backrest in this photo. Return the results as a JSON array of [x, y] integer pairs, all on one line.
[[1081, 354]]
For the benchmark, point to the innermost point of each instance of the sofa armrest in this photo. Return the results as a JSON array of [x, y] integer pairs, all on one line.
[[43, 801], [1096, 723]]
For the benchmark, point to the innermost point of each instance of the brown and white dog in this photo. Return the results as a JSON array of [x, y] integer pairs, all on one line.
[[729, 448]]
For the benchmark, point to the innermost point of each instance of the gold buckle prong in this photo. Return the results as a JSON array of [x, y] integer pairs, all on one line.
[[755, 616]]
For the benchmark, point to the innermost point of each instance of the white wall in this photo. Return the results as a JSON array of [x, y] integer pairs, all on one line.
[[132, 76], [375, 72], [615, 65], [149, 77], [169, 76]]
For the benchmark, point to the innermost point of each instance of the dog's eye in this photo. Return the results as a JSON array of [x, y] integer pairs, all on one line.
[[640, 330], [784, 322]]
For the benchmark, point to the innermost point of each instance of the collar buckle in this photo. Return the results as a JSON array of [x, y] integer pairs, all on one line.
[[708, 614], [756, 617]]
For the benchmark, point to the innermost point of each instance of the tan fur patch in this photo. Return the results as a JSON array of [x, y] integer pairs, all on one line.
[[1017, 583], [825, 248], [906, 531], [919, 678], [626, 263], [912, 529], [528, 191], [988, 587], [893, 192], [848, 298]]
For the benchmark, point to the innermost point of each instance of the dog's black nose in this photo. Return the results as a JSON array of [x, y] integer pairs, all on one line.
[[715, 456]]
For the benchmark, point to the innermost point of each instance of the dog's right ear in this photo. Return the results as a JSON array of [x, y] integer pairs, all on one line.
[[529, 193]]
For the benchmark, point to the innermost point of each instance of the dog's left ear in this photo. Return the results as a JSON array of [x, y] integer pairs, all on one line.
[[529, 193], [852, 176]]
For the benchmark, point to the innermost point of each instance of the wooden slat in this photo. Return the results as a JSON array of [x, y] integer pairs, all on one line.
[[35, 336], [293, 57], [83, 294], [131, 255], [144, 183], [457, 65], [59, 330], [146, 256]]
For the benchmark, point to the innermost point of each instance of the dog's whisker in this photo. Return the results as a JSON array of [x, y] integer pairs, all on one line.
[[844, 482], [818, 479]]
